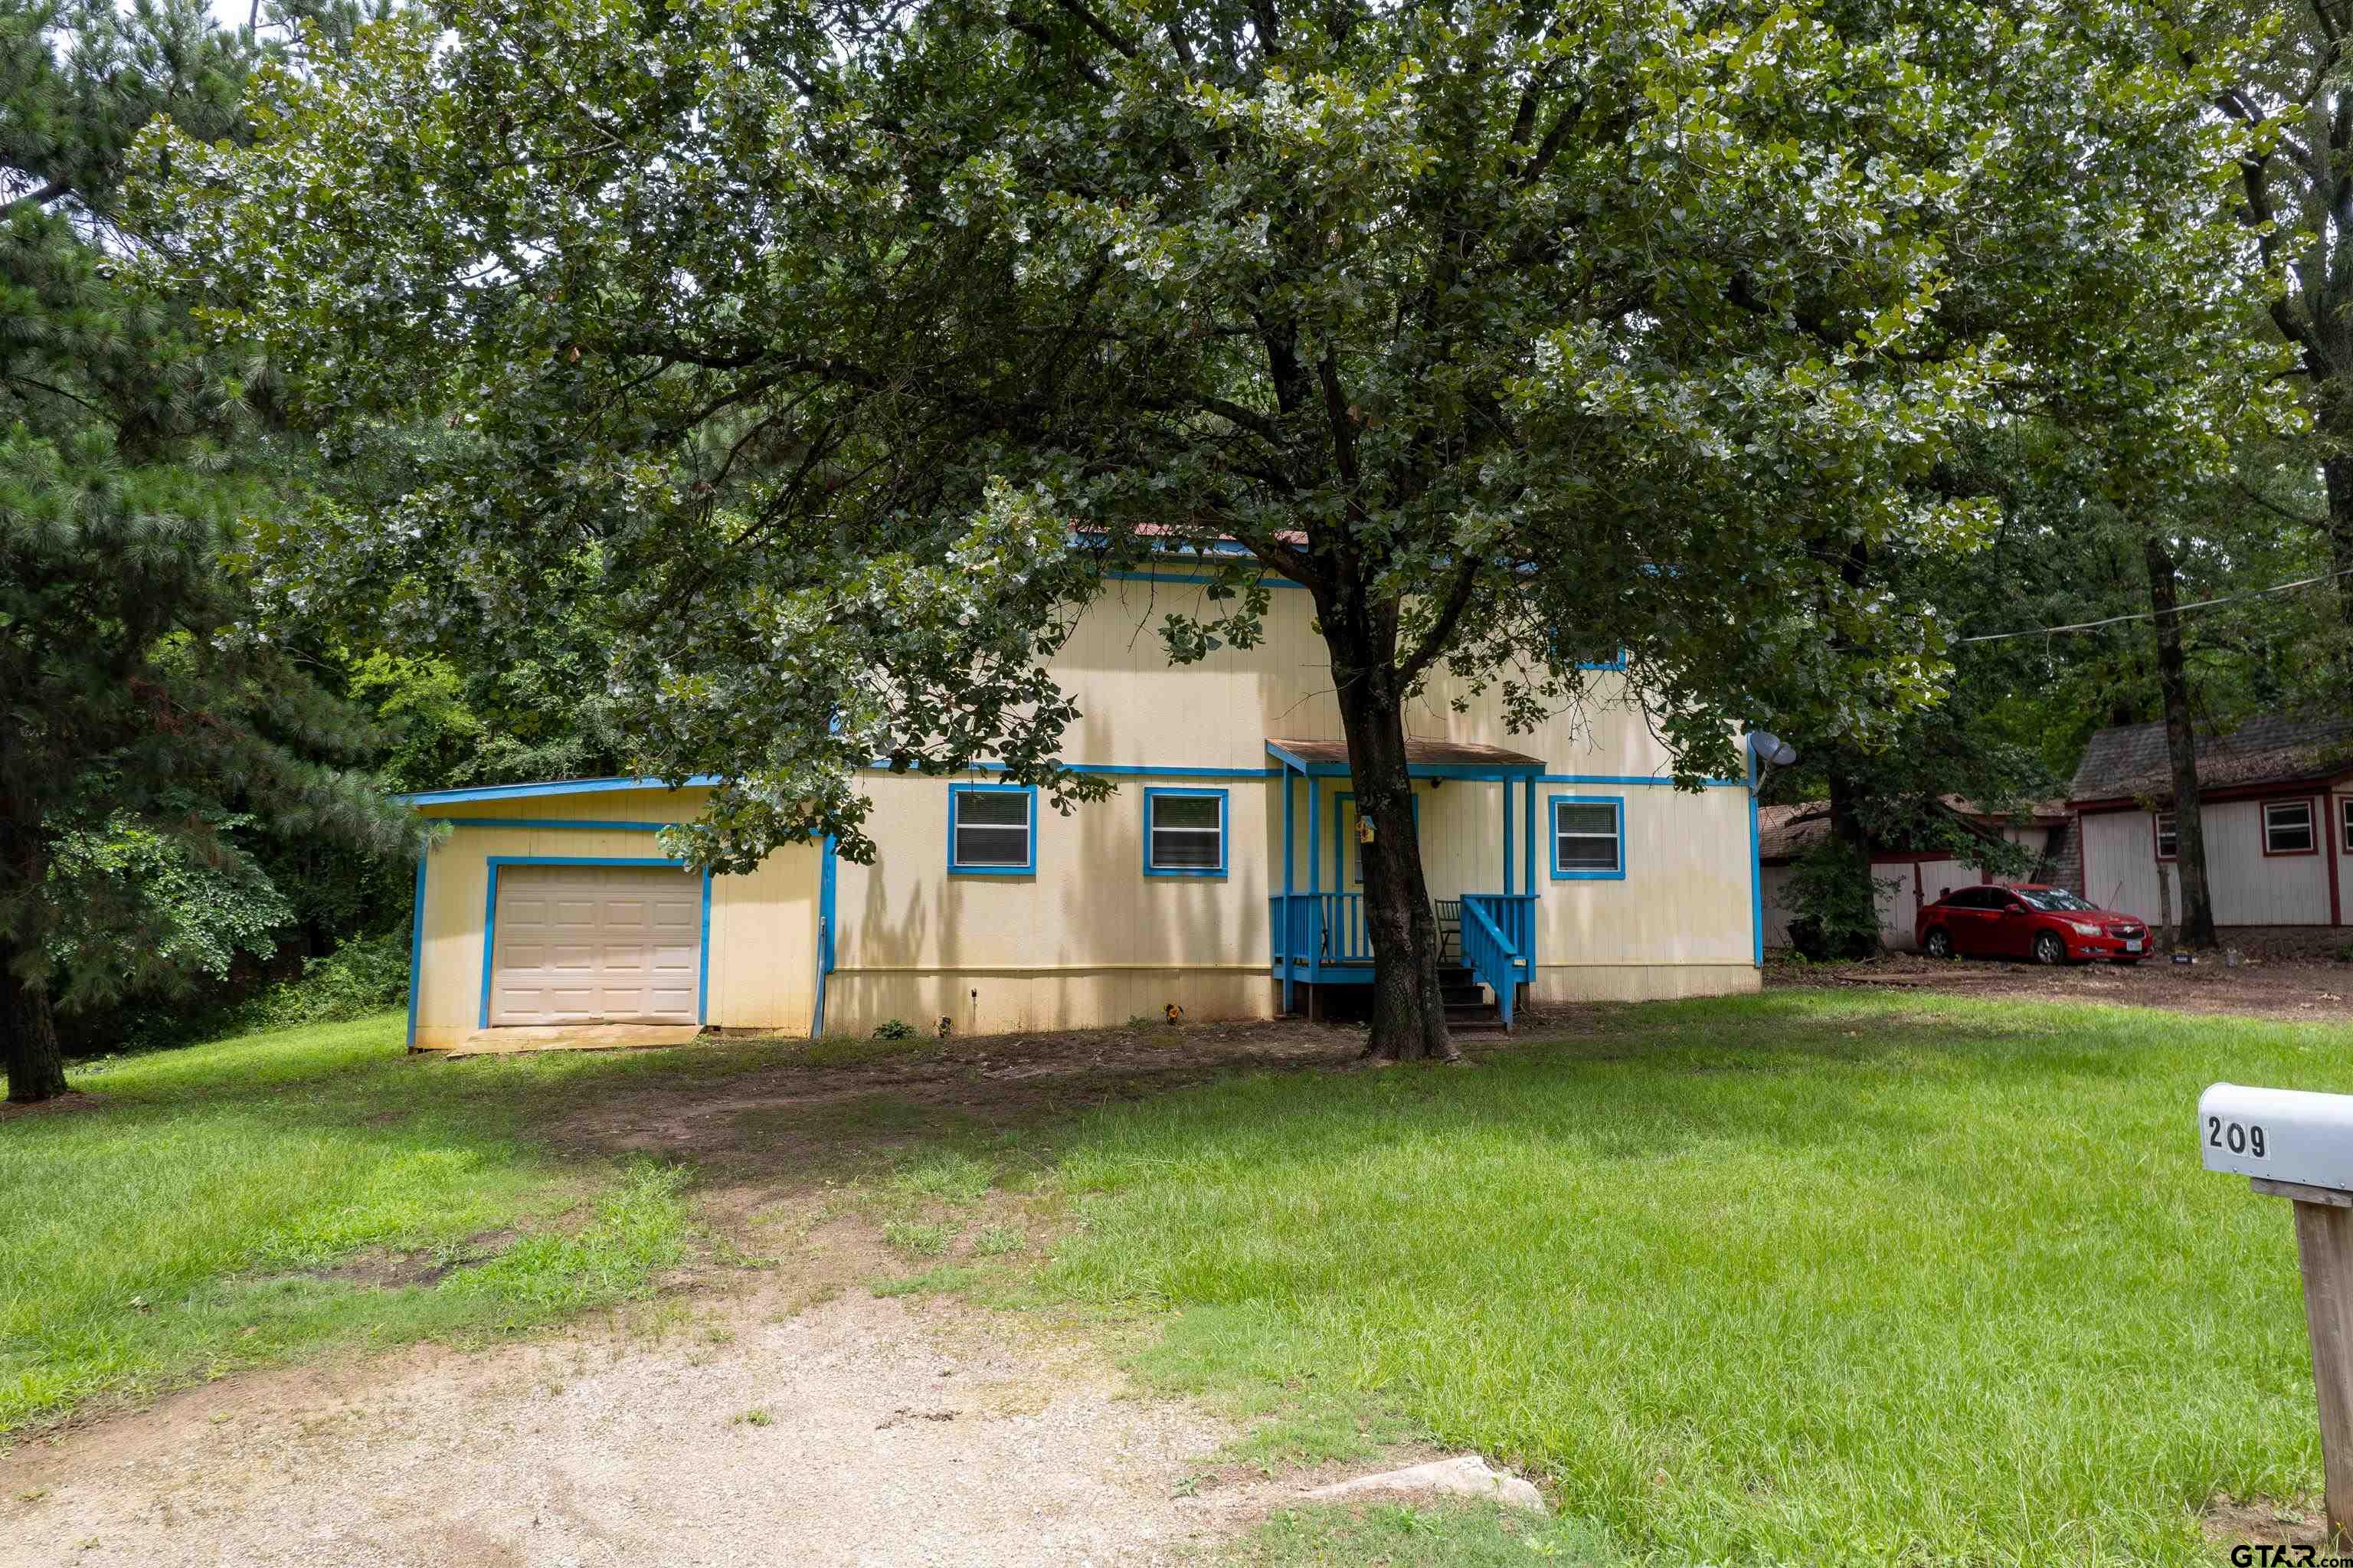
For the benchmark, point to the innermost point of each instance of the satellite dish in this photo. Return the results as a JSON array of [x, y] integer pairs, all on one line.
[[1771, 749]]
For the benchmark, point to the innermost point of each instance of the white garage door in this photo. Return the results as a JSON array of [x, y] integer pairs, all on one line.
[[597, 944]]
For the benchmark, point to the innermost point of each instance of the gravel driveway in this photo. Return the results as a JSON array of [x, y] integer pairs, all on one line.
[[858, 1431]]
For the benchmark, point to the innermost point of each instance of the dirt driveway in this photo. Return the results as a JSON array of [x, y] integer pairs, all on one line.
[[779, 1415], [854, 1431]]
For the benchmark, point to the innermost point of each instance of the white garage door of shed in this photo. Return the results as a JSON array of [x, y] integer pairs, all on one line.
[[597, 944]]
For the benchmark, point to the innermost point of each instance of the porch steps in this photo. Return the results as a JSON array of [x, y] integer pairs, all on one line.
[[1469, 1008]]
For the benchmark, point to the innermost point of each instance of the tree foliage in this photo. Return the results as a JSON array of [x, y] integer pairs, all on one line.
[[831, 351], [144, 719]]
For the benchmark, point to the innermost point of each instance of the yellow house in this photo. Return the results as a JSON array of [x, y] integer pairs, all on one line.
[[1222, 876]]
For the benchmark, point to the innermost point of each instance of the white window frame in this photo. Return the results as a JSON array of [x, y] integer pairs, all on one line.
[[1153, 830], [2167, 825], [1028, 865], [2311, 828], [1562, 871]]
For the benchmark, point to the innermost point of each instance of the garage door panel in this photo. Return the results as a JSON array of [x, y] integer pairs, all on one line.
[[597, 944]]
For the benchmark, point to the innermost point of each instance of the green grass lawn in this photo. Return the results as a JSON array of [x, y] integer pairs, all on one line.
[[179, 1230], [1802, 1278], [1795, 1278]]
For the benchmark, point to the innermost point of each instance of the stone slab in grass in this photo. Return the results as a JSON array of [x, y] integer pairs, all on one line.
[[1467, 1477]]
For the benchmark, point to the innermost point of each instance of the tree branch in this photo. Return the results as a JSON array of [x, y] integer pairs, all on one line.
[[1449, 616], [42, 197], [1097, 26]]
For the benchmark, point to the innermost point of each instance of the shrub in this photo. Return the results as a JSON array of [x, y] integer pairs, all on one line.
[[894, 1028], [1835, 903], [366, 974]]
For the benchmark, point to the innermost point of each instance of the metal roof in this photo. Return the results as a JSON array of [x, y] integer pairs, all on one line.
[[1424, 758]]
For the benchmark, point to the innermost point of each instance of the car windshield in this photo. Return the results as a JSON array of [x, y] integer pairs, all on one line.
[[2051, 900]]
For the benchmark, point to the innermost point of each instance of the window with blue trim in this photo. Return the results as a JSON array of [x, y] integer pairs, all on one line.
[[1589, 837], [1184, 832], [992, 829]]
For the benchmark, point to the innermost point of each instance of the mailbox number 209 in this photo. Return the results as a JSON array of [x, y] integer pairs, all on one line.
[[2239, 1137]]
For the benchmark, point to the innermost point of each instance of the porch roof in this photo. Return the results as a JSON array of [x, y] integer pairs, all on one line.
[[1423, 759]]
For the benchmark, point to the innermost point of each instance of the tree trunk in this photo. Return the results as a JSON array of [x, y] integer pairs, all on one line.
[[2180, 743], [1408, 1021], [29, 1041], [2337, 472]]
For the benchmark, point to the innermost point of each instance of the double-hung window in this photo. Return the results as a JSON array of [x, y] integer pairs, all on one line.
[[992, 829], [2345, 821], [2289, 827], [1184, 832], [1588, 838], [2169, 835]]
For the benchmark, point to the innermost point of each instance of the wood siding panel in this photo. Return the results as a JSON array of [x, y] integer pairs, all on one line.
[[2249, 887]]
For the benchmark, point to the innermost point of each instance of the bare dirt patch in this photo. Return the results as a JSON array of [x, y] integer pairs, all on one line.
[[381, 1269], [62, 1105], [2228, 1521], [782, 1117], [2301, 991], [855, 1430]]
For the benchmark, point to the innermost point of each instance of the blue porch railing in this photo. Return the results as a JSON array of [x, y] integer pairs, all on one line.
[[1321, 937], [1499, 944], [1318, 931]]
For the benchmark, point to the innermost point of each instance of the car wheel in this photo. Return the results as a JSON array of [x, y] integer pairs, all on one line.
[[1939, 944], [2050, 949]]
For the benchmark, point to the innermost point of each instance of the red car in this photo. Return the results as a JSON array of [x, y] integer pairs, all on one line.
[[2047, 925]]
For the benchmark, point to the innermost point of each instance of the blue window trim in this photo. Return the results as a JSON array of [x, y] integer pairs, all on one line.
[[492, 863], [1618, 663], [1342, 840], [1225, 834], [1553, 803], [1029, 866]]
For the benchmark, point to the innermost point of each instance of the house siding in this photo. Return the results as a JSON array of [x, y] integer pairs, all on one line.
[[2248, 887], [1084, 938]]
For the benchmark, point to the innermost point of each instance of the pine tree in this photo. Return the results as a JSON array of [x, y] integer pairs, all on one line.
[[132, 688]]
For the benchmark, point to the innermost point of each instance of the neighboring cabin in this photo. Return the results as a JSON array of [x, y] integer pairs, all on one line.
[[2277, 795], [1907, 876], [1222, 877]]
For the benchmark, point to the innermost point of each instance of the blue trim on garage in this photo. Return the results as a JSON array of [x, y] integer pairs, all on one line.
[[535, 823], [416, 946], [828, 891]]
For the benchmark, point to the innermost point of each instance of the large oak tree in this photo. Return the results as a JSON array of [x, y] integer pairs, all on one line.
[[834, 349]]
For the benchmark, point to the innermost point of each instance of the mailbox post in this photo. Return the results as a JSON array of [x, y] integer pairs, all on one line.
[[2299, 1146]]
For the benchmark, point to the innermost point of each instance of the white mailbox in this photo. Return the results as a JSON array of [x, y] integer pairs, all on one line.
[[2299, 1146], [2280, 1135]]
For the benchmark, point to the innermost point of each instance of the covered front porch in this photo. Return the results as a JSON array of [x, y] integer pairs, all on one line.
[[1488, 934]]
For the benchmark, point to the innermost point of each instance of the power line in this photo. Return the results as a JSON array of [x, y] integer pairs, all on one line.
[[2151, 615]]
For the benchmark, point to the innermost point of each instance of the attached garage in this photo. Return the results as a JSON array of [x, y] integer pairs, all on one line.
[[594, 943]]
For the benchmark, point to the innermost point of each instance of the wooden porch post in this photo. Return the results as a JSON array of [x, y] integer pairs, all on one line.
[[1282, 930], [1531, 850], [1507, 834]]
